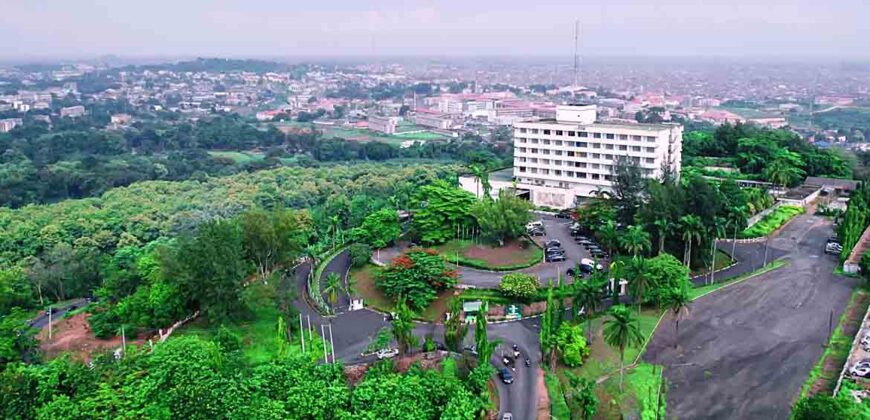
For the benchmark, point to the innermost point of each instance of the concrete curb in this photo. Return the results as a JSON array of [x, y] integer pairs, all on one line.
[[750, 275]]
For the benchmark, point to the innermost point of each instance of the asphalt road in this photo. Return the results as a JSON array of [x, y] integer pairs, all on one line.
[[556, 229], [745, 351], [42, 319]]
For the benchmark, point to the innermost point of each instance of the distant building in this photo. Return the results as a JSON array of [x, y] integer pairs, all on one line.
[[72, 111], [773, 122], [121, 119], [432, 119], [559, 162], [8, 124], [386, 125]]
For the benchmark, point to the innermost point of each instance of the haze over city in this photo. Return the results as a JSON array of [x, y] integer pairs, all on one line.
[[766, 28], [421, 210]]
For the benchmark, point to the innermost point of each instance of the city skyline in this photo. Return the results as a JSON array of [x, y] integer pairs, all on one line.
[[44, 29]]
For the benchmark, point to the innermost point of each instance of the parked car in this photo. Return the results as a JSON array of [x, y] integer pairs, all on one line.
[[555, 257], [387, 353], [860, 369], [591, 264], [553, 243], [833, 248], [537, 232], [537, 224], [506, 375], [565, 214], [555, 250], [572, 272], [507, 416]]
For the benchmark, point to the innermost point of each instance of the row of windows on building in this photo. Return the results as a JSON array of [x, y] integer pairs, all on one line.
[[573, 174], [606, 156], [609, 136], [553, 162], [583, 144]]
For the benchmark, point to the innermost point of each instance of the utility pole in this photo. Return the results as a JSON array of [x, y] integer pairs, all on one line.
[[766, 246], [310, 333], [576, 82], [49, 322], [302, 333], [123, 340], [323, 340], [713, 259], [331, 343]]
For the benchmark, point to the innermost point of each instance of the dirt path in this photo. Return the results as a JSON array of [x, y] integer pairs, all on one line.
[[74, 335]]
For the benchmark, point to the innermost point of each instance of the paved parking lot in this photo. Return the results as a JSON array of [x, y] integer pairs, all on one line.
[[745, 351]]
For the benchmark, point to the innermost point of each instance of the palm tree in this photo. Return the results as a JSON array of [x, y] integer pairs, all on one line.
[[664, 226], [335, 221], [622, 330], [607, 235], [635, 240], [677, 301], [637, 269], [692, 229], [737, 218], [333, 287], [403, 327], [587, 295]]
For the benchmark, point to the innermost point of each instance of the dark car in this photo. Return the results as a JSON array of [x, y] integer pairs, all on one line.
[[555, 257], [537, 232], [565, 214], [554, 251], [506, 375], [553, 243], [572, 272]]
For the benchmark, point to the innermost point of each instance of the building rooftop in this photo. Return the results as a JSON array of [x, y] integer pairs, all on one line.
[[607, 124], [506, 175]]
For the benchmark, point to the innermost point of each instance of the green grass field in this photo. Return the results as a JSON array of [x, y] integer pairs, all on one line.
[[238, 157], [510, 257], [603, 364]]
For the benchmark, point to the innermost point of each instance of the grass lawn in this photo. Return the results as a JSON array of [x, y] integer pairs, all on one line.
[[558, 406], [364, 284], [772, 221], [697, 292], [238, 157], [258, 334], [603, 364], [511, 256], [722, 260]]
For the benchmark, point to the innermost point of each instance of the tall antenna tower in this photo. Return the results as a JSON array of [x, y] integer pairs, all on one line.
[[576, 82]]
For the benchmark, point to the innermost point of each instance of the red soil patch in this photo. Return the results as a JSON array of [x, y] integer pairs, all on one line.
[[512, 253], [73, 335]]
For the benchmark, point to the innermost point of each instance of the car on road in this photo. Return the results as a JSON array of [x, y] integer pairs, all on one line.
[[506, 375], [833, 248], [554, 249], [565, 214], [507, 416], [572, 272], [537, 232], [553, 243], [387, 354]]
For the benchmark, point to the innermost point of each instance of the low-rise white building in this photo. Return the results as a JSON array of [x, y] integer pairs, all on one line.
[[386, 125], [559, 162]]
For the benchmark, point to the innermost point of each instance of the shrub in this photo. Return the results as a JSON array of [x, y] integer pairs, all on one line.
[[360, 254], [518, 285], [571, 345], [772, 221], [820, 407], [417, 276]]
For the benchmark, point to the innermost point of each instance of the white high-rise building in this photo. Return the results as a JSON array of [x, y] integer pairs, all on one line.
[[563, 160]]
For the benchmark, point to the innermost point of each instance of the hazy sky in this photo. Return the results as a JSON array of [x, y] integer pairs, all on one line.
[[71, 28]]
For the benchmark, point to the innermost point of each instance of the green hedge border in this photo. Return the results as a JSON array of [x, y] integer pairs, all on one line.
[[314, 280]]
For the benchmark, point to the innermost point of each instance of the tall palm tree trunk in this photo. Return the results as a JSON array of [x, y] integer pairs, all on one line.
[[621, 367]]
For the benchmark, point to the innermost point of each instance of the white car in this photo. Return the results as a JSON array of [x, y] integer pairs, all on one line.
[[387, 354], [591, 263], [535, 225], [507, 416]]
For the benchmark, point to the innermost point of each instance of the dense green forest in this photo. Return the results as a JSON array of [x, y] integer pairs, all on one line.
[[193, 378], [76, 159], [777, 156]]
